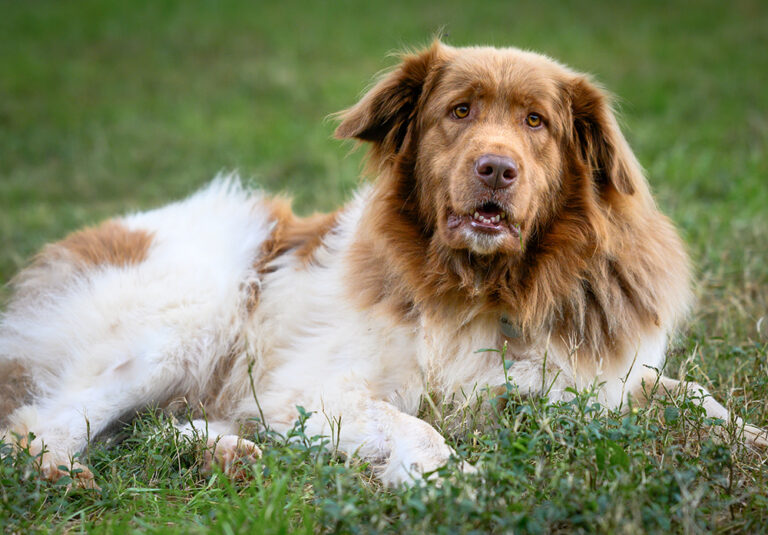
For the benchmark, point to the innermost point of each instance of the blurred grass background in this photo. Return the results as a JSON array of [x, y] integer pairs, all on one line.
[[109, 106]]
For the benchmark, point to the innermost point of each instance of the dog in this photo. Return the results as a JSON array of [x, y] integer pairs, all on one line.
[[507, 212]]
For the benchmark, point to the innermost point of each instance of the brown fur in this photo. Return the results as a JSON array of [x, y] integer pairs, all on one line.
[[301, 235], [15, 391], [598, 265], [109, 243]]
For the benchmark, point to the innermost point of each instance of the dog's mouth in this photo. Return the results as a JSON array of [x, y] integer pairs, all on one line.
[[488, 217]]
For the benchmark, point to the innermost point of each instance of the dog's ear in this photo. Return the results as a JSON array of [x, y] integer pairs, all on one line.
[[384, 114], [599, 141]]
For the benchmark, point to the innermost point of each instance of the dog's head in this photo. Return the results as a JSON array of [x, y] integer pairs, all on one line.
[[491, 145]]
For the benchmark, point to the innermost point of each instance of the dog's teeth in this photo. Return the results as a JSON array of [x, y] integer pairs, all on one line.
[[487, 220], [503, 215]]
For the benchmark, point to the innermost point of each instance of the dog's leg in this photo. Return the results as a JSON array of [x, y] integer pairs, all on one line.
[[401, 447], [534, 377], [52, 463], [64, 420], [223, 447], [660, 385]]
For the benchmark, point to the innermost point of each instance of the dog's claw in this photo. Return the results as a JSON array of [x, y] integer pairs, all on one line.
[[232, 454], [53, 470]]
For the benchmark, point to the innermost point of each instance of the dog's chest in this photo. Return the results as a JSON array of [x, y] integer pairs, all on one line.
[[458, 357]]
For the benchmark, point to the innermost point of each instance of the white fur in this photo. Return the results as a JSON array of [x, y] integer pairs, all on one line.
[[115, 339]]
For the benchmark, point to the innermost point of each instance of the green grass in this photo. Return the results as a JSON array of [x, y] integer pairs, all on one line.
[[108, 107]]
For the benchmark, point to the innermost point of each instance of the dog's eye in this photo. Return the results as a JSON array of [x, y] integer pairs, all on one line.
[[461, 111], [533, 120]]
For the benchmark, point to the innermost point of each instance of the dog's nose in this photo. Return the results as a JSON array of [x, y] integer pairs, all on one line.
[[496, 172]]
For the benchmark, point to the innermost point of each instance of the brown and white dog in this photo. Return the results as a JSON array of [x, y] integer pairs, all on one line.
[[507, 208]]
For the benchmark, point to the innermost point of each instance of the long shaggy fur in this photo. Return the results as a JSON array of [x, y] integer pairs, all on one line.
[[233, 304]]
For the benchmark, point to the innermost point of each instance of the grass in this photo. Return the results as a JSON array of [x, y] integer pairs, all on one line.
[[108, 107]]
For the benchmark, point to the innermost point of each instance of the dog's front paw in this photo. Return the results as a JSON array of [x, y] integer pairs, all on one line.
[[232, 454], [416, 467], [466, 468], [419, 472]]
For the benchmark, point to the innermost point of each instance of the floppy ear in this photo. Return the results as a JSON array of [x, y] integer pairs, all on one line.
[[384, 113], [599, 140]]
